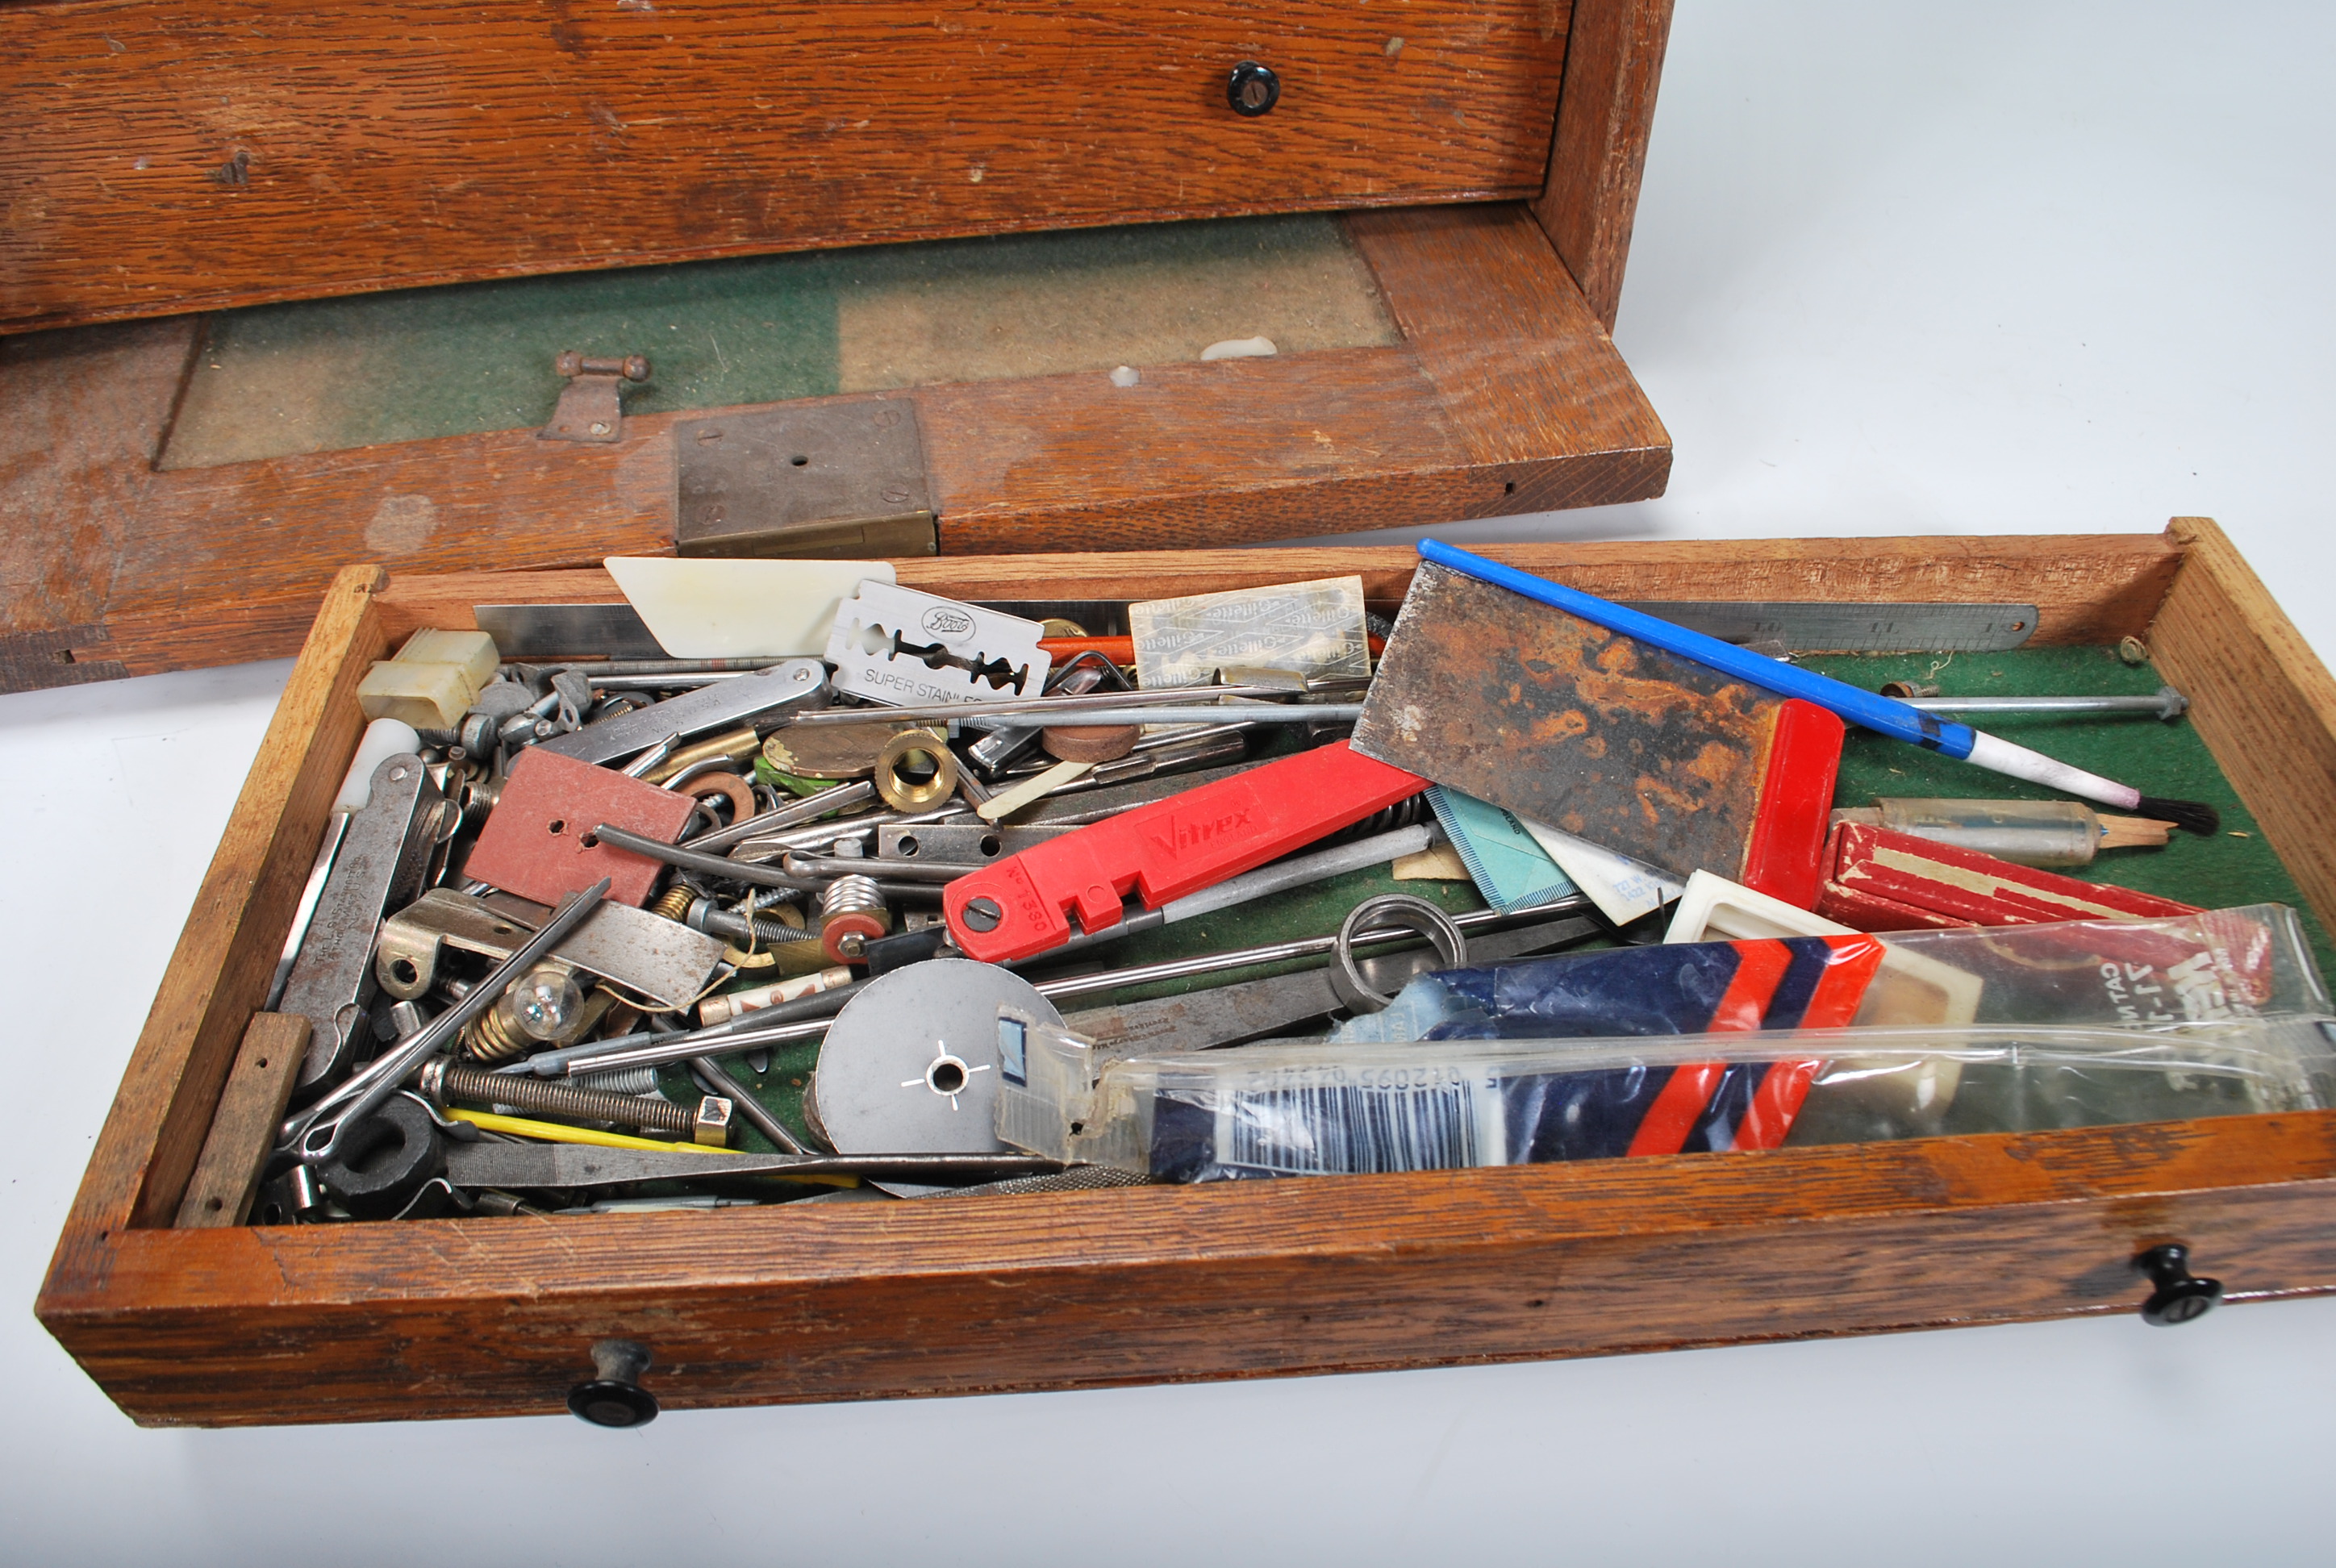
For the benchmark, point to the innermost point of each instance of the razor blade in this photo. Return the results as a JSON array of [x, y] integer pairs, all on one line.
[[896, 645]]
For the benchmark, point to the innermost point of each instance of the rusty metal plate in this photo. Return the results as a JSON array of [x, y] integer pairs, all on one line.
[[539, 842], [1570, 724], [832, 479]]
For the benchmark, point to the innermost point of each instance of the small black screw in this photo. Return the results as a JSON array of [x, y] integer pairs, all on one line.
[[2181, 1295], [1252, 88], [616, 1398], [982, 915]]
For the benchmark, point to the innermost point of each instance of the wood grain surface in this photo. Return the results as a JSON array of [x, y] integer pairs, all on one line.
[[2089, 589], [185, 159], [495, 1316], [87, 413], [1446, 275], [218, 974], [456, 1317], [243, 1128], [1506, 396], [1603, 121], [2262, 702]]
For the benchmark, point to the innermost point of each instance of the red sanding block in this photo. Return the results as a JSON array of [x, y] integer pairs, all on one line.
[[1013, 908], [539, 842], [1880, 880]]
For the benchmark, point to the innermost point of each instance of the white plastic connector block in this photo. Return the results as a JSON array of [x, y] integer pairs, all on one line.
[[896, 645], [426, 695], [433, 679], [472, 651]]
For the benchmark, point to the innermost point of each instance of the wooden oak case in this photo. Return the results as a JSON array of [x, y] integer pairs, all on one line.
[[583, 142], [497, 1316]]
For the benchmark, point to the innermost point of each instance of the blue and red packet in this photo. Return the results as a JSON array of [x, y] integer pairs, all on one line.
[[1695, 988]]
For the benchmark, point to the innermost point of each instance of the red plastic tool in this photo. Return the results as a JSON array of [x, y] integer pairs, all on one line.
[[1013, 908], [1785, 856]]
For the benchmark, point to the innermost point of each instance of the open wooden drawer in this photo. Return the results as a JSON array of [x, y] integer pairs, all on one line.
[[213, 166], [497, 1316]]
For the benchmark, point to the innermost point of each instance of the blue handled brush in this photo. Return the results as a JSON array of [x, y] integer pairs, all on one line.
[[1888, 716]]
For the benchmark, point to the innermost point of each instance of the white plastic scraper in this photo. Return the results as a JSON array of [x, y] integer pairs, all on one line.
[[894, 645], [704, 609]]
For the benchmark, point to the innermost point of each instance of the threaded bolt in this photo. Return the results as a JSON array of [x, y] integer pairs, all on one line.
[[707, 916], [444, 1080]]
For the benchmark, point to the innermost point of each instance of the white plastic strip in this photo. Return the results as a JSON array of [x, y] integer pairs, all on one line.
[[732, 608]]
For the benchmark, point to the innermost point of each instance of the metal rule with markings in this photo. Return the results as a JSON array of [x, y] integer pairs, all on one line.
[[567, 630], [1860, 626]]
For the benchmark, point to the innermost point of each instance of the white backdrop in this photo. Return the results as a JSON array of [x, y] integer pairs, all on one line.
[[1990, 267]]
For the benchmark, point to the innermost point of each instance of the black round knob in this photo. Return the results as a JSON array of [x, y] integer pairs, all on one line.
[[2181, 1296], [1252, 88], [616, 1398]]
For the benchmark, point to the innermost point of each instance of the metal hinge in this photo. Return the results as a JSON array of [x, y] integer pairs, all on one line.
[[589, 408]]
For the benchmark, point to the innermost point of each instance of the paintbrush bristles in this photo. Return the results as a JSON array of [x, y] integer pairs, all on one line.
[[2192, 816]]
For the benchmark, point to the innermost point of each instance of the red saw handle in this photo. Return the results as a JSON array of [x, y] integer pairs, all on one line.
[[1177, 846]]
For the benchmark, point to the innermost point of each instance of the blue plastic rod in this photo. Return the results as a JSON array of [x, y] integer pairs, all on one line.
[[1875, 711]]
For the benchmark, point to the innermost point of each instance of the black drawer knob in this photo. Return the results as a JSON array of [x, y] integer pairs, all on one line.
[[2181, 1295], [616, 1398], [1252, 88]]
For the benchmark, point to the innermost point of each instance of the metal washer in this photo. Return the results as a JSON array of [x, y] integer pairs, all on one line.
[[910, 1065]]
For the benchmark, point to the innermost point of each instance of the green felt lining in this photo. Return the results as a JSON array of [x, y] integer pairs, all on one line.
[[330, 374]]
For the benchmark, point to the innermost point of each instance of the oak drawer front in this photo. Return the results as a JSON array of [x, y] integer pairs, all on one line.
[[242, 1326], [191, 159]]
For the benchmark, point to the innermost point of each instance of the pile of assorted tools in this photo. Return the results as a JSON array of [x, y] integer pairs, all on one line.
[[857, 917]]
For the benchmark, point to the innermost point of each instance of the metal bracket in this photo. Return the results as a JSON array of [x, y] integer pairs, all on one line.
[[589, 409], [835, 479], [662, 959]]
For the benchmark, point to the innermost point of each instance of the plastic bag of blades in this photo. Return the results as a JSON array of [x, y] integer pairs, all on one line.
[[2167, 973], [1298, 1107]]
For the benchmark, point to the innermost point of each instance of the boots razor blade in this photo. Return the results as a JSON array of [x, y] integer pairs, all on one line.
[[896, 645]]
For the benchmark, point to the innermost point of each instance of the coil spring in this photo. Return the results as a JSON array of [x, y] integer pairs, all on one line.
[[489, 1037], [619, 1081], [854, 894], [540, 1094], [771, 904], [673, 904], [1409, 811]]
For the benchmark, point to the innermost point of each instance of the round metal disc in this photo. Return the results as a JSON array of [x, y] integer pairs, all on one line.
[[909, 1066]]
